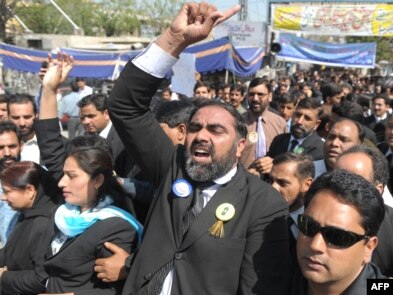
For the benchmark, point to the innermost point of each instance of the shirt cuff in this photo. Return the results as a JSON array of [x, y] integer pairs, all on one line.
[[155, 61]]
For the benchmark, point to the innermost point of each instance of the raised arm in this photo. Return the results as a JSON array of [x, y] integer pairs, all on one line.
[[130, 98], [50, 141]]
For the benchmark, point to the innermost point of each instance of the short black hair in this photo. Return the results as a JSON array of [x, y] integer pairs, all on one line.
[[240, 124], [304, 164], [310, 103], [330, 90], [98, 100], [238, 87], [8, 126], [385, 98], [200, 84], [355, 191], [260, 81], [380, 173], [350, 110], [173, 112], [21, 98], [89, 140], [4, 98]]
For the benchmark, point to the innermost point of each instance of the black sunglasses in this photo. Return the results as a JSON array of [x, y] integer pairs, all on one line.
[[334, 236]]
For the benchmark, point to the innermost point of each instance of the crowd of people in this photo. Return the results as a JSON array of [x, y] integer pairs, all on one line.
[[270, 187]]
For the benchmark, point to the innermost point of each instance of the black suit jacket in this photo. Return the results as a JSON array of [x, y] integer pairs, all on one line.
[[71, 269], [377, 127], [252, 258], [312, 145], [383, 254]]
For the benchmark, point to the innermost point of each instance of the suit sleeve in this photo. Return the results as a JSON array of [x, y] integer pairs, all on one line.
[[266, 263], [121, 233], [137, 127], [52, 146]]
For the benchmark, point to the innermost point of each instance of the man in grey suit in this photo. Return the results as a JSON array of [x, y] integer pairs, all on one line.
[[213, 228]]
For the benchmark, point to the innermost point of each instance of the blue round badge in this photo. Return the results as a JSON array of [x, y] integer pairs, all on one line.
[[182, 188]]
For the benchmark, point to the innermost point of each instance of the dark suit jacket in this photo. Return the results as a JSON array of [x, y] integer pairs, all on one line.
[[252, 258], [71, 269], [312, 145], [377, 127], [383, 254]]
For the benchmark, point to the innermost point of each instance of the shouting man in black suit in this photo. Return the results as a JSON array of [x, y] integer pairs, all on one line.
[[213, 228]]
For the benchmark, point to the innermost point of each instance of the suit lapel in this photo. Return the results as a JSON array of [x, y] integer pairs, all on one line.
[[229, 193]]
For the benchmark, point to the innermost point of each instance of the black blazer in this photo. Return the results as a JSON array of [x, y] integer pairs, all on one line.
[[383, 254], [312, 145], [377, 127], [252, 258], [24, 253], [71, 269]]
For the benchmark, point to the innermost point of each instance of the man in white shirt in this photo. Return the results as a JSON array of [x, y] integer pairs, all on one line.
[[22, 112], [84, 90]]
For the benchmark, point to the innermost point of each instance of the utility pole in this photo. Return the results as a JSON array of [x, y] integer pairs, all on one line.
[[243, 10]]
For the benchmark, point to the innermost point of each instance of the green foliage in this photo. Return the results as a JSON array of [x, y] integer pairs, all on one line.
[[384, 46], [94, 17]]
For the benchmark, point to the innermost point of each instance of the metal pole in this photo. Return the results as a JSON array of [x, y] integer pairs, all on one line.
[[65, 15], [22, 24]]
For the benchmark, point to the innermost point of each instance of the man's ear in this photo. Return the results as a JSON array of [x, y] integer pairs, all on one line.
[[181, 133], [240, 147], [370, 246], [317, 124], [306, 185]]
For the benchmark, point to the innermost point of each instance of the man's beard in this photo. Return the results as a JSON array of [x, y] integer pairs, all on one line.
[[208, 172], [5, 158], [299, 132]]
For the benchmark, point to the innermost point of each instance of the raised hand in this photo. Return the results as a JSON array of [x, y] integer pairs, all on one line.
[[57, 71], [193, 23]]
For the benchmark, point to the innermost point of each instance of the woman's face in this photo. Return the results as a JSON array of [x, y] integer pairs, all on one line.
[[19, 199], [78, 187]]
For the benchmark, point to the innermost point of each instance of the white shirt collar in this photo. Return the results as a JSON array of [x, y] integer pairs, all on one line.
[[227, 177], [31, 141], [104, 133], [381, 118]]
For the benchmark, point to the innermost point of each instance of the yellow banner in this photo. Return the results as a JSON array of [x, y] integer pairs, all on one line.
[[337, 19]]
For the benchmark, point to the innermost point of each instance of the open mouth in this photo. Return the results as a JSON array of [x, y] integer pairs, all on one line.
[[201, 154]]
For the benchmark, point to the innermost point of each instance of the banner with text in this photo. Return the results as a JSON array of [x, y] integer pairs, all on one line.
[[335, 19], [357, 55]]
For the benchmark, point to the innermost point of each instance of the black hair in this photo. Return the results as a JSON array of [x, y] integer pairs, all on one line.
[[199, 84], [74, 87], [95, 161], [238, 87], [330, 90], [355, 191], [173, 112], [380, 173], [385, 98], [240, 124], [90, 140], [349, 110], [98, 100], [21, 99], [304, 164], [310, 103], [260, 81], [8, 126]]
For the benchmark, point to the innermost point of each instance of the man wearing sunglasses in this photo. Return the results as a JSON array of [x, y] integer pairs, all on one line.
[[338, 234], [372, 166]]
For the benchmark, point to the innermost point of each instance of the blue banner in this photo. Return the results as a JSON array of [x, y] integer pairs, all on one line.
[[356, 55]]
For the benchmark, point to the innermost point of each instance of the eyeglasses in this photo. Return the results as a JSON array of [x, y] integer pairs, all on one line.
[[334, 236], [259, 94]]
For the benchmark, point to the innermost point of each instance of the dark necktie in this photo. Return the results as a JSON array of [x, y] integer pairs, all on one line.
[[155, 285], [294, 143]]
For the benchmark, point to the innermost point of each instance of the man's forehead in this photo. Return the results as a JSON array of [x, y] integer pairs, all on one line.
[[10, 136], [212, 114], [21, 107]]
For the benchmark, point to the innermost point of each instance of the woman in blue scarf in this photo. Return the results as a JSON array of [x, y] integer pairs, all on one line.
[[94, 213]]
